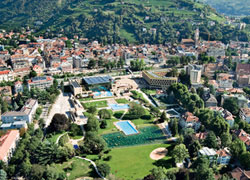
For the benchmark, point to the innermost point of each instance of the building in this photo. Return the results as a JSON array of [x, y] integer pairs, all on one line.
[[98, 83], [6, 75], [19, 119], [172, 113], [211, 101], [8, 143], [158, 79], [228, 117], [241, 99], [40, 82], [75, 88], [18, 87], [224, 156], [245, 114], [188, 42], [243, 136], [195, 73], [208, 153], [240, 174], [190, 121]]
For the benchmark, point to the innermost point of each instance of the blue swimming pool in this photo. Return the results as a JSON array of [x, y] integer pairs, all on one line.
[[127, 127], [116, 107]]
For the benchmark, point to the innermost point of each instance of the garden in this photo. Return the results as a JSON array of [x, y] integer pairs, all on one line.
[[147, 135], [97, 104], [122, 101]]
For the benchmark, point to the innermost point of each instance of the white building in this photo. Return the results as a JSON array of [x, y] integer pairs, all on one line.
[[195, 73], [19, 119], [40, 82], [190, 121], [208, 153]]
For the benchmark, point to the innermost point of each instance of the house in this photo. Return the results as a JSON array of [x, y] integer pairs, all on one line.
[[243, 136], [200, 136], [208, 153], [19, 119], [6, 75], [245, 114], [195, 73], [18, 87], [228, 117], [42, 82], [241, 99], [224, 156], [190, 121], [240, 174], [8, 143], [211, 101]]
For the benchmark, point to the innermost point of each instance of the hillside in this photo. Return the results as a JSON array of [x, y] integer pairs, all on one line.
[[109, 21], [230, 7]]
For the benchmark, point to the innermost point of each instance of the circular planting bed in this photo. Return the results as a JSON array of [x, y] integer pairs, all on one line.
[[158, 153]]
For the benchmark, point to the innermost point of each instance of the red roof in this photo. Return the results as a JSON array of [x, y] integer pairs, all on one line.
[[6, 142], [4, 72]]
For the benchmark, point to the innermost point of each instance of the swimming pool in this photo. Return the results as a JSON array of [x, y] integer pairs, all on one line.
[[116, 107], [126, 127]]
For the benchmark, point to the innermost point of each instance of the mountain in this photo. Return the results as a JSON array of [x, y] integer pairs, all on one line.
[[120, 21], [230, 7]]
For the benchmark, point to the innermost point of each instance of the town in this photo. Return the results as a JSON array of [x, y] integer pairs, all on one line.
[[75, 109]]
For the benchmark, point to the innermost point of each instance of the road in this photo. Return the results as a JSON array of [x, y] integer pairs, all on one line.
[[62, 106]]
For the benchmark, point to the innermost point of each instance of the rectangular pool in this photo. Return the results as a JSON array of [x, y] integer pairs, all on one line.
[[127, 127], [116, 107]]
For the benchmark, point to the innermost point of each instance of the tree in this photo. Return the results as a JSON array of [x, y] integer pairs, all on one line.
[[93, 144], [226, 139], [163, 117], [202, 169], [159, 173], [231, 105], [25, 167], [3, 175], [104, 169], [136, 110], [180, 152], [245, 160], [237, 148], [59, 123], [92, 110], [37, 171], [194, 148], [174, 126], [211, 140], [92, 124], [92, 64], [32, 74], [104, 114]]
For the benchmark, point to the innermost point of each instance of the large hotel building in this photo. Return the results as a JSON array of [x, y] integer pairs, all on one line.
[[158, 79]]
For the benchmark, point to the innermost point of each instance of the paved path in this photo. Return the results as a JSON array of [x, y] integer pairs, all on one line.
[[93, 163], [57, 140], [61, 106]]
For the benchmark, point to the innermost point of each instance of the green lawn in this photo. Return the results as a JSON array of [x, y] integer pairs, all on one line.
[[134, 162], [53, 138], [122, 101], [75, 168], [98, 104], [110, 127]]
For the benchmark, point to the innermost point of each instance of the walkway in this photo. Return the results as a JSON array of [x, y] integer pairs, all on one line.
[[57, 140], [93, 163]]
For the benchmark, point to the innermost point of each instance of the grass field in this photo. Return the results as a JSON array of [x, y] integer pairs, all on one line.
[[122, 101], [134, 162], [110, 127], [75, 168], [97, 104]]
